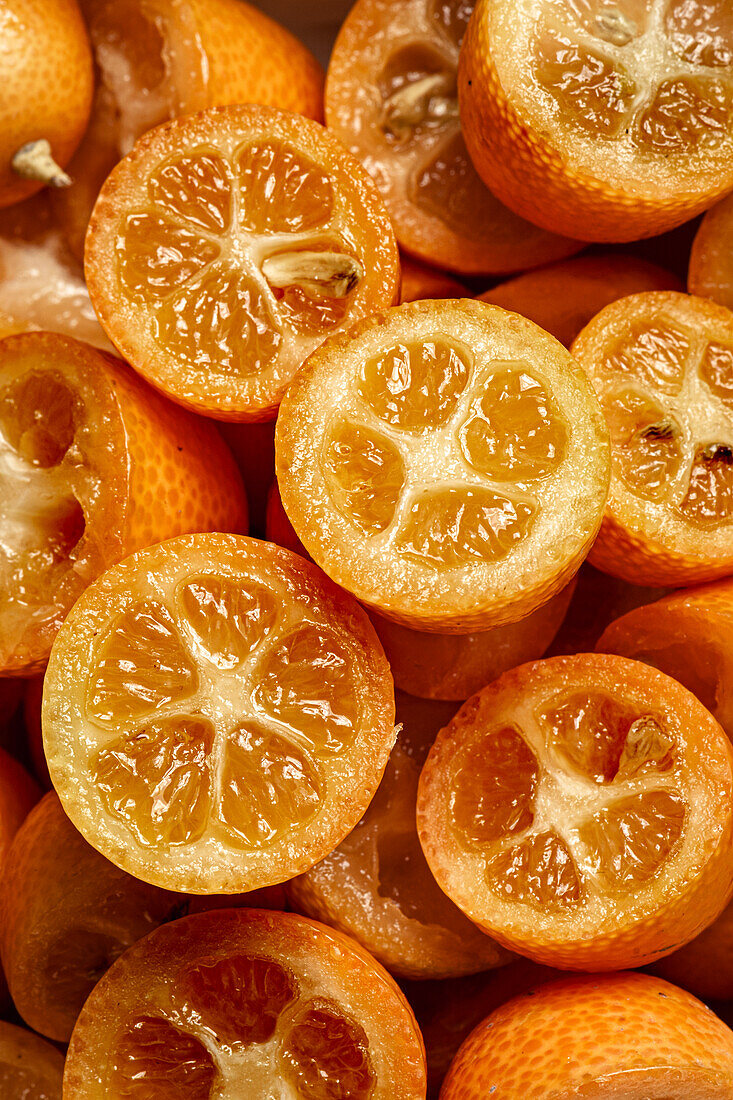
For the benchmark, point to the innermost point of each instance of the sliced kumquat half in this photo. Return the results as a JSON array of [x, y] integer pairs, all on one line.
[[446, 462], [705, 965], [377, 887], [30, 1068], [246, 1003], [711, 260], [562, 298], [157, 60], [392, 97], [217, 715], [225, 248], [609, 121], [93, 465], [662, 366], [579, 810], [610, 1037]]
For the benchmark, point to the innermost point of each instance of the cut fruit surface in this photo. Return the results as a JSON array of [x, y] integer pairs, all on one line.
[[576, 809], [662, 366], [227, 246], [93, 465], [237, 1003], [606, 120], [406, 473], [711, 260], [30, 1068], [377, 887], [562, 298], [391, 97], [231, 717], [658, 1042]]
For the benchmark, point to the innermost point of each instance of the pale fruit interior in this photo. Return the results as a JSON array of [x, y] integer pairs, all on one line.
[[445, 461], [582, 800], [655, 75], [242, 1022], [218, 713], [237, 260], [668, 400], [45, 487]]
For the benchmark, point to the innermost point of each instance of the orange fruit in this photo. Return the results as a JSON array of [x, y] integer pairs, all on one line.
[[377, 887], [216, 714], [278, 527], [391, 96], [158, 59], [454, 666], [18, 794], [662, 366], [30, 1068], [609, 122], [446, 462], [711, 260], [250, 1003], [563, 297], [579, 810], [620, 1036], [66, 913], [227, 246], [94, 465], [47, 84], [688, 635], [705, 965], [421, 281]]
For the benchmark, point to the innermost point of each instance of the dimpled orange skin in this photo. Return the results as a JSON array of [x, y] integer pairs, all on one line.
[[711, 261], [47, 83], [533, 178], [623, 1036]]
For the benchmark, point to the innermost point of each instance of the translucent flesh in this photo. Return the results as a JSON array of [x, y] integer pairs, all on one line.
[[646, 443], [449, 528], [195, 189], [157, 780], [494, 788], [709, 497], [415, 386], [160, 255], [448, 187], [17, 1083], [629, 841], [227, 620], [685, 113], [282, 191], [514, 431], [307, 681], [538, 871], [271, 787], [716, 369], [154, 1060], [701, 31], [418, 93], [605, 739], [654, 355], [452, 17], [364, 472], [238, 998], [325, 1056], [406, 879]]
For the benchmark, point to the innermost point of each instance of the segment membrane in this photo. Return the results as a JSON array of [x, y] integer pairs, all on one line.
[[157, 780], [364, 473], [687, 112], [196, 189], [238, 998], [514, 431], [450, 528], [270, 787], [228, 618], [629, 841], [540, 871], [495, 784], [709, 497], [141, 666], [701, 31], [591, 91], [282, 190], [646, 443], [156, 255], [415, 386], [654, 355], [308, 681], [154, 1060], [447, 187], [326, 1056], [716, 369]]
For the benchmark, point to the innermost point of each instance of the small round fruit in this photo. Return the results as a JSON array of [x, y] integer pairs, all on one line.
[[711, 260], [30, 1068]]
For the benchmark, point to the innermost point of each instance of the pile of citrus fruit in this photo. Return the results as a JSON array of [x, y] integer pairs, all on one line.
[[366, 550]]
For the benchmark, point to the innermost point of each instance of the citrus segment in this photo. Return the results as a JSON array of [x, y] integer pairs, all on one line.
[[198, 771], [226, 246], [30, 1069], [417, 455], [377, 887], [391, 96], [575, 809], [659, 363], [247, 1001], [594, 120]]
